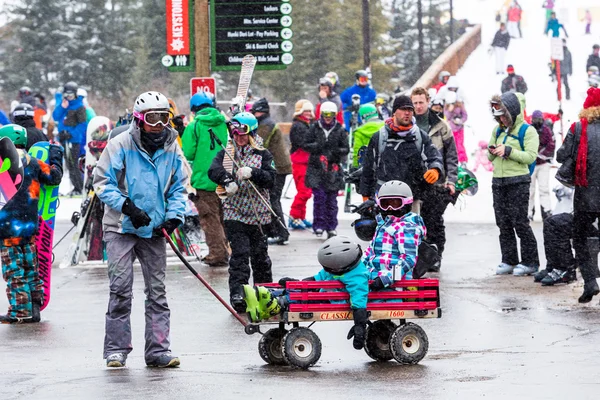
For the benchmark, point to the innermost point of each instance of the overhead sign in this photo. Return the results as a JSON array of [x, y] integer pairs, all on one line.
[[556, 49], [198, 85], [261, 28], [180, 36]]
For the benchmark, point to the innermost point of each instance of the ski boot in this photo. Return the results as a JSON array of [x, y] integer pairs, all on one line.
[[237, 300], [269, 307], [296, 224], [331, 233], [307, 223], [253, 306], [7, 319], [319, 232], [35, 311], [557, 276]]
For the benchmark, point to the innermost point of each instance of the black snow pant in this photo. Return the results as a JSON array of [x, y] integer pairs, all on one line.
[[583, 229], [558, 232], [277, 228], [565, 81], [75, 173], [432, 211], [248, 247], [510, 208]]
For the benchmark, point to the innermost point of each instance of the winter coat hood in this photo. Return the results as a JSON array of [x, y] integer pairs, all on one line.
[[513, 105], [452, 83], [210, 116]]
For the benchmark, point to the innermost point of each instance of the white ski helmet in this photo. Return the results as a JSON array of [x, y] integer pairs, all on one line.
[[453, 83], [450, 97], [339, 255], [594, 81], [394, 190], [329, 106], [82, 92], [150, 101], [443, 75], [98, 128]]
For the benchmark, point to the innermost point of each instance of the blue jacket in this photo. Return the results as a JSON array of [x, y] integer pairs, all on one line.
[[155, 184], [356, 281], [72, 119], [366, 93], [554, 26], [3, 118]]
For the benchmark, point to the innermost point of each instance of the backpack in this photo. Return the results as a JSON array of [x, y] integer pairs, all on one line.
[[521, 139], [383, 137]]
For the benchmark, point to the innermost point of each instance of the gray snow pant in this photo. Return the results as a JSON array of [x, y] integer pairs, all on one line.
[[122, 249]]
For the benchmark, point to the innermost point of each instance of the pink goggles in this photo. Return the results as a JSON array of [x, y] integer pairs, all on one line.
[[154, 118], [391, 203]]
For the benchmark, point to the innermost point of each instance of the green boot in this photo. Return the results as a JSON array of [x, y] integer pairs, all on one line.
[[252, 303], [269, 306]]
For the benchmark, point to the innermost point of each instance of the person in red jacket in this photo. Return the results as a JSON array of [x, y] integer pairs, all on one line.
[[514, 20], [443, 77], [303, 117]]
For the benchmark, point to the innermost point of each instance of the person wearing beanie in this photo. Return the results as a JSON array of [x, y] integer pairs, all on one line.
[[403, 153], [541, 173], [327, 143], [511, 158], [303, 117], [23, 115], [513, 82], [273, 141], [443, 190], [593, 59], [582, 146]]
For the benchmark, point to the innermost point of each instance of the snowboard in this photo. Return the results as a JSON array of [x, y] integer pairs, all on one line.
[[11, 170], [47, 206]]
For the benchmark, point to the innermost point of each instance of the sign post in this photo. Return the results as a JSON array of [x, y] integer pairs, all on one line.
[[258, 27], [180, 36]]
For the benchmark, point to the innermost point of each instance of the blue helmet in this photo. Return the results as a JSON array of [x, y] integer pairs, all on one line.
[[247, 119], [201, 99]]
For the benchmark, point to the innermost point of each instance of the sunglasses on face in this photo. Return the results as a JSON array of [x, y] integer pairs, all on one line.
[[393, 203], [154, 118]]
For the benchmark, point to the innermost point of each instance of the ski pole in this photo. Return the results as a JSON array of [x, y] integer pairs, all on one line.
[[64, 236], [266, 203], [204, 282], [287, 187]]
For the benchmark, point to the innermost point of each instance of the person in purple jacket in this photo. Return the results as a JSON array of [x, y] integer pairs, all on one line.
[[456, 116], [541, 173]]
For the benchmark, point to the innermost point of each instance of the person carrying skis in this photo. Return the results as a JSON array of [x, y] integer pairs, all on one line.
[[273, 140], [303, 117], [361, 88], [141, 180], [19, 222], [23, 115], [401, 151], [500, 46], [541, 173], [245, 213], [362, 135], [200, 149], [513, 82], [70, 115], [435, 203], [512, 147], [327, 143]]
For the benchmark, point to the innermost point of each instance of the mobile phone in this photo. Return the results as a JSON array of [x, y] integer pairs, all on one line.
[[492, 146]]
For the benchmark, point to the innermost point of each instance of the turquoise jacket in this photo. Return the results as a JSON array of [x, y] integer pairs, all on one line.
[[356, 281]]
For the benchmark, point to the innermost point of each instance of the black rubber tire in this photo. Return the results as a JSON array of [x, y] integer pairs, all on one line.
[[301, 348], [409, 344], [269, 347], [377, 340]]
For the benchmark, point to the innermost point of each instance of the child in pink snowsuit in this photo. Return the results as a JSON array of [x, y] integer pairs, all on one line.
[[456, 115], [481, 158]]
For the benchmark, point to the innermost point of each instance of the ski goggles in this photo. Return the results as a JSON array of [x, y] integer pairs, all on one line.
[[393, 203], [497, 109], [69, 95], [363, 79], [328, 114], [238, 128], [154, 118]]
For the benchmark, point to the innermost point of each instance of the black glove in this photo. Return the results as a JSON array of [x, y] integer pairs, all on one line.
[[359, 330], [283, 281], [377, 284], [55, 155], [64, 136], [170, 225], [138, 216], [178, 122], [364, 209]]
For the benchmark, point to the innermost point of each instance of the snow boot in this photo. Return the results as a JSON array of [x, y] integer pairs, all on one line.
[[504, 269], [539, 276], [116, 360], [35, 311], [590, 289], [269, 306], [522, 270], [331, 233], [166, 360], [319, 232], [7, 319], [253, 306]]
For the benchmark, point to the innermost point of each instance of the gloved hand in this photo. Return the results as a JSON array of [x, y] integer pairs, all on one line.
[[244, 173], [231, 188], [55, 155], [138, 216], [376, 284], [359, 330], [431, 176], [170, 225], [283, 281], [178, 123], [63, 136]]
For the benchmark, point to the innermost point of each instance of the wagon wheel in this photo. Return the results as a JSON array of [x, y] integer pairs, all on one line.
[[301, 347], [377, 340], [269, 346], [409, 344]]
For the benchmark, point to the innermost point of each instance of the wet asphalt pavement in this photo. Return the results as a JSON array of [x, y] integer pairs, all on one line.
[[499, 337]]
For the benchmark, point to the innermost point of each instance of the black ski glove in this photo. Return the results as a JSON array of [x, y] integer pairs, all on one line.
[[55, 156], [376, 284], [359, 330], [138, 216], [170, 225], [64, 136], [282, 282]]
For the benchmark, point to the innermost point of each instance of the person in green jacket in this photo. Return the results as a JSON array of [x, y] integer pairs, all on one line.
[[200, 149], [361, 136], [510, 183]]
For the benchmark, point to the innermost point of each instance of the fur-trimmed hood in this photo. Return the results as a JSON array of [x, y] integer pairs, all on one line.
[[513, 105], [591, 114]]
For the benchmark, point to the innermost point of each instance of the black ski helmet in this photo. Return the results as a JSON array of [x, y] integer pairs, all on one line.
[[365, 228], [21, 112], [70, 87], [260, 105]]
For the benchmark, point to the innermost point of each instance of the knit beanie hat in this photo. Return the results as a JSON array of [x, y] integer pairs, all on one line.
[[402, 101]]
